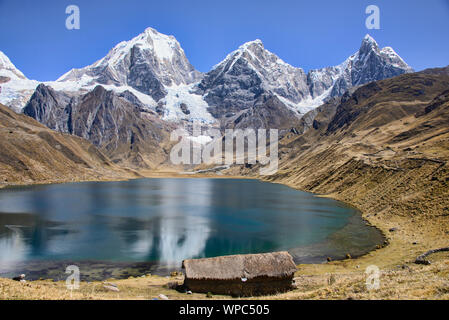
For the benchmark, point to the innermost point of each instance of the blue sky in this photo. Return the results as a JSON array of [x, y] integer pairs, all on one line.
[[308, 34]]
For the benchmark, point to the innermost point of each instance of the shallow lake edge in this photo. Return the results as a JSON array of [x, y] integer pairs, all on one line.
[[168, 175]]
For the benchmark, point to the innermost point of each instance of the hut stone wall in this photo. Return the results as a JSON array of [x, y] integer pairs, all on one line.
[[241, 275], [237, 288]]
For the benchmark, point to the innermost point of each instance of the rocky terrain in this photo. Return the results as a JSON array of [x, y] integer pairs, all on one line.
[[116, 123], [32, 153], [369, 64], [148, 63], [235, 85]]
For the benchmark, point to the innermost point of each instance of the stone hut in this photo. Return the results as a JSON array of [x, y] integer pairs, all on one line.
[[241, 275]]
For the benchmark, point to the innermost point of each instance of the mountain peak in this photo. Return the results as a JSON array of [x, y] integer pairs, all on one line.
[[163, 46], [370, 39], [368, 44], [250, 44], [4, 61], [148, 63], [8, 69], [16, 89], [153, 32], [247, 73], [247, 49]]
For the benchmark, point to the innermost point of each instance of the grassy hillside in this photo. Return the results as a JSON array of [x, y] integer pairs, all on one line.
[[385, 150]]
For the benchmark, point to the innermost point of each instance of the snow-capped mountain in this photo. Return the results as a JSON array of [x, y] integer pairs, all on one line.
[[15, 88], [369, 63], [154, 69], [152, 66], [235, 83], [244, 75], [7, 69], [127, 102], [149, 63]]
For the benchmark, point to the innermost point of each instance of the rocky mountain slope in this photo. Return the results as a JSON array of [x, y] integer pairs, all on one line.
[[234, 86], [148, 63], [381, 124], [369, 63], [32, 153], [117, 123], [236, 82]]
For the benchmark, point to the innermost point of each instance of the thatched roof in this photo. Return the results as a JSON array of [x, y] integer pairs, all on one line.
[[275, 264]]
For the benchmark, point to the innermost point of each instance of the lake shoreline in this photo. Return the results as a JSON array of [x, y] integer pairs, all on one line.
[[336, 244], [168, 174], [388, 256]]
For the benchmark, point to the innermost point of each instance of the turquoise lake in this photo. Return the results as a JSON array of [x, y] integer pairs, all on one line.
[[150, 225]]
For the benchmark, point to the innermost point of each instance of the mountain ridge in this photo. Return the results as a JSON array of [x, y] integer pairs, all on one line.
[[235, 84], [153, 66], [124, 130]]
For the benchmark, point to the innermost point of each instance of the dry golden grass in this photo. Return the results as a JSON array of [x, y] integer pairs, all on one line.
[[334, 281], [141, 288]]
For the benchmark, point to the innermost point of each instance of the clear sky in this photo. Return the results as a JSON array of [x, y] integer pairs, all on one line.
[[309, 34]]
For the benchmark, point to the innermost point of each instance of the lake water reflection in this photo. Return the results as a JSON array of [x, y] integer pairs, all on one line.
[[164, 221]]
